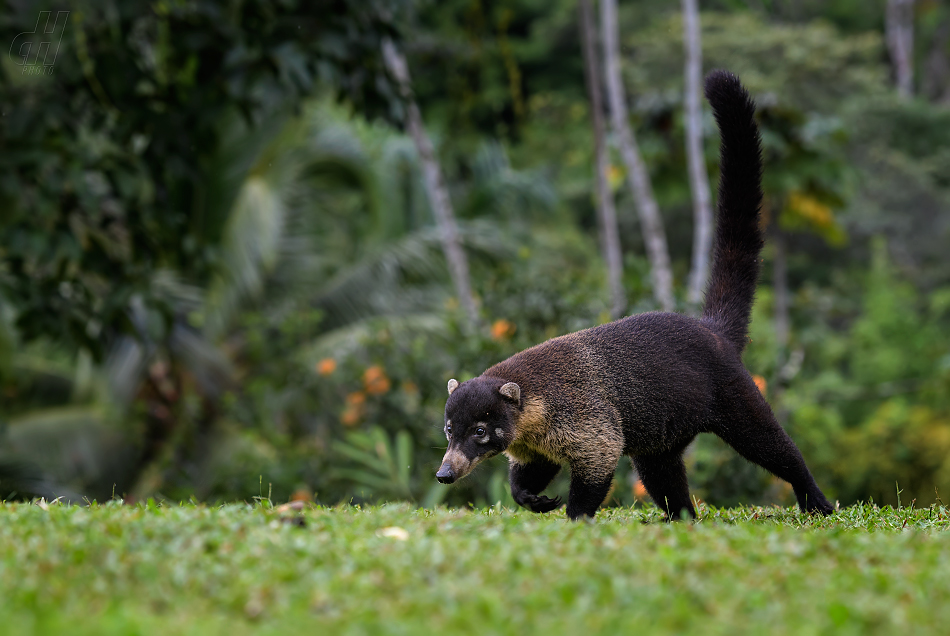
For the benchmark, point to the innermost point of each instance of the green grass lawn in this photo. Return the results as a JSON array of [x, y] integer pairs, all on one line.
[[116, 569]]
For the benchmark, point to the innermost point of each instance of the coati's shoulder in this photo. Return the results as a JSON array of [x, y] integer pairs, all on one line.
[[550, 366]]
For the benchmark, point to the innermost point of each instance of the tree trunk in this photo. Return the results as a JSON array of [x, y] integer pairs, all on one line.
[[900, 42], [936, 77], [434, 184], [782, 321], [638, 178], [780, 275], [605, 202], [698, 179]]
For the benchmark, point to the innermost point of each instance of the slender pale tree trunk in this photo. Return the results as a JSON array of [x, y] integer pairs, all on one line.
[[638, 178], [698, 179], [936, 78], [780, 274], [782, 319], [899, 27], [435, 185], [605, 201]]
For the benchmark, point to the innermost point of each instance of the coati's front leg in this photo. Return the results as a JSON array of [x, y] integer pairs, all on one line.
[[664, 477], [528, 479], [588, 491], [593, 457]]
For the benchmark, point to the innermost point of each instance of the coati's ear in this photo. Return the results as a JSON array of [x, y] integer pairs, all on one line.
[[453, 384], [511, 391]]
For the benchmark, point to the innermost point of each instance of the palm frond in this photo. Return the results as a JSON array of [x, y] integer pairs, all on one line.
[[8, 338], [288, 172], [23, 480], [378, 283], [210, 367], [128, 357], [406, 206], [124, 368], [249, 250], [346, 340], [244, 149], [69, 450], [507, 193]]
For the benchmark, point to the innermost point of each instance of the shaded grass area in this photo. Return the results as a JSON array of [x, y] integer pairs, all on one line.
[[238, 569]]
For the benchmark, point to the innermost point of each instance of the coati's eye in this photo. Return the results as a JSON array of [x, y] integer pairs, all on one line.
[[480, 431], [448, 430]]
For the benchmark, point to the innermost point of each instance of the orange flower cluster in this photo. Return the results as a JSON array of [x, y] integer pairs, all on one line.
[[502, 329], [640, 491], [375, 381], [355, 408], [326, 366]]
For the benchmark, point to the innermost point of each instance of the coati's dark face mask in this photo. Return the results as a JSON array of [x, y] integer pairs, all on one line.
[[478, 424]]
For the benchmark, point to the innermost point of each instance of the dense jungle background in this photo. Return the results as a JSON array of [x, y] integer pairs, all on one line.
[[224, 273]]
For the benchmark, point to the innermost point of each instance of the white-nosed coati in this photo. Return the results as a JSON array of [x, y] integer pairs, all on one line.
[[645, 385]]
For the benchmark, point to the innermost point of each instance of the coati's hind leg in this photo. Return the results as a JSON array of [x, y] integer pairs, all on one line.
[[751, 429], [527, 481], [664, 477]]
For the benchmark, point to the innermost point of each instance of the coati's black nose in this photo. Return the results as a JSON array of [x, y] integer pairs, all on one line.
[[445, 475]]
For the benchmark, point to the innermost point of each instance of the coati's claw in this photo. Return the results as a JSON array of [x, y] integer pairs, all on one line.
[[545, 504], [549, 504], [539, 503]]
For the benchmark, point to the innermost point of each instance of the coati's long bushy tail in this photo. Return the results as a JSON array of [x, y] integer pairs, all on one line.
[[738, 240]]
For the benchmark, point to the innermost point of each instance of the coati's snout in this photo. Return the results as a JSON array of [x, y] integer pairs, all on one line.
[[478, 424], [455, 465], [445, 475]]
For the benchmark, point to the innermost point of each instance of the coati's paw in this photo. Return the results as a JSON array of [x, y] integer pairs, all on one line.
[[685, 514], [538, 503], [820, 507]]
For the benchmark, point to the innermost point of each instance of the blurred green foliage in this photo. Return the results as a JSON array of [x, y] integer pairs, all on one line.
[[108, 163], [219, 275]]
